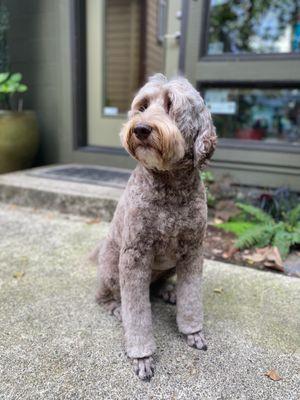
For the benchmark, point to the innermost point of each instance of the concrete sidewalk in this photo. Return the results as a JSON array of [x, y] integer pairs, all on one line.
[[56, 343]]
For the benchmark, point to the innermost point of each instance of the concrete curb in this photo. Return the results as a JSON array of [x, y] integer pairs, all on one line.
[[22, 189]]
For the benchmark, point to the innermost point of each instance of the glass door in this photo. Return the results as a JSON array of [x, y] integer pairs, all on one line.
[[127, 41]]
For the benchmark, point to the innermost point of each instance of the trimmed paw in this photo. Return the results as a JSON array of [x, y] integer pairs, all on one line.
[[197, 340], [168, 293], [114, 308], [144, 368]]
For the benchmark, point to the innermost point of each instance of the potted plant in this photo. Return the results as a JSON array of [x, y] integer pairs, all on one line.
[[18, 129]]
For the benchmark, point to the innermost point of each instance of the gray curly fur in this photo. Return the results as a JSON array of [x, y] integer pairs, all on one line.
[[160, 221]]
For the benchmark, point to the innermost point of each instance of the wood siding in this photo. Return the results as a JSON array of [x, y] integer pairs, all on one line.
[[122, 42], [154, 49]]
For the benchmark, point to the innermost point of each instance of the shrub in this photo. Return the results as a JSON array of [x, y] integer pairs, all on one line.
[[10, 84], [208, 178]]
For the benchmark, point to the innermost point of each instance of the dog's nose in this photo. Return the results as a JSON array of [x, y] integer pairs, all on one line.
[[142, 131]]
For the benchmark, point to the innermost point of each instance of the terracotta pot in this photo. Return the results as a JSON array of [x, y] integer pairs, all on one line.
[[250, 134], [19, 140]]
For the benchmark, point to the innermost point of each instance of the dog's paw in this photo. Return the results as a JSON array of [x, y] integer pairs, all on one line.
[[114, 308], [168, 293], [144, 368], [197, 340]]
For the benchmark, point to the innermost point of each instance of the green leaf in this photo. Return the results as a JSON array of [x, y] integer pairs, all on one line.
[[296, 237], [283, 240], [17, 77], [256, 213], [5, 88], [294, 215], [207, 177], [22, 88], [9, 87], [3, 77], [258, 236], [236, 227]]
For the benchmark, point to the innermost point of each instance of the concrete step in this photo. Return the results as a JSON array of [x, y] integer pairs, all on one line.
[[72, 189]]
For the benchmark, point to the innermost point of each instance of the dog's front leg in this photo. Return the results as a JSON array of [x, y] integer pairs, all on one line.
[[135, 277], [189, 299]]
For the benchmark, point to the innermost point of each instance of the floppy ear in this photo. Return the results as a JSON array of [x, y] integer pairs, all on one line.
[[206, 139]]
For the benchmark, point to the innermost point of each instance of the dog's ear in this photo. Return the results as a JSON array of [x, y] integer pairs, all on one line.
[[206, 139]]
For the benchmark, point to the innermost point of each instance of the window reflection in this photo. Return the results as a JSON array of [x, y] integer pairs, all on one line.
[[271, 115], [254, 26]]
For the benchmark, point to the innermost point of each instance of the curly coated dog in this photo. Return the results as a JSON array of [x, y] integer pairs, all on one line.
[[160, 221]]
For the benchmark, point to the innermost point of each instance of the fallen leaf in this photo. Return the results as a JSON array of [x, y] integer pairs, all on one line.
[[274, 257], [269, 256], [216, 251], [219, 290], [49, 215], [93, 221], [272, 374], [218, 221], [18, 274], [230, 252], [253, 258]]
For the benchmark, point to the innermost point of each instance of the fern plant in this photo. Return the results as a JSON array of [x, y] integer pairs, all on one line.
[[256, 228]]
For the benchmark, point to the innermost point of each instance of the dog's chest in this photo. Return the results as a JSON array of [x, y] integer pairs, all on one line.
[[175, 231]]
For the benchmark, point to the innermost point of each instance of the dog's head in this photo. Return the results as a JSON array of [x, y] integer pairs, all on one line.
[[169, 125]]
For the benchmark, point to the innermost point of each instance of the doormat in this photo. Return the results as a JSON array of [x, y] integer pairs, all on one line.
[[102, 176]]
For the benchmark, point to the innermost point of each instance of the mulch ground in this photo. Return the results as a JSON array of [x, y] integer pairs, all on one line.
[[219, 245]]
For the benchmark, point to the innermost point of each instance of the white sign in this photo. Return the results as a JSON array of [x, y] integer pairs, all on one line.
[[224, 107], [110, 110]]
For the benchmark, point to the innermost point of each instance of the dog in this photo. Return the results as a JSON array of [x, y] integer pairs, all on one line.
[[160, 221]]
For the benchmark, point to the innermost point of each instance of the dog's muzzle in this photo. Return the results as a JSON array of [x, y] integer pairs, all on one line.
[[142, 131]]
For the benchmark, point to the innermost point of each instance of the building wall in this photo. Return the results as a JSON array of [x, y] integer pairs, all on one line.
[[34, 50], [40, 48]]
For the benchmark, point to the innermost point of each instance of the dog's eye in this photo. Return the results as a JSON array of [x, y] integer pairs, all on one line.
[[143, 107]]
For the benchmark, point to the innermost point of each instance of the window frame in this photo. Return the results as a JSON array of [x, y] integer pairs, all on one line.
[[203, 51], [161, 21]]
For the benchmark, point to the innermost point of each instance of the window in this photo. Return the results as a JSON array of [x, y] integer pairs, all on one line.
[[270, 115], [254, 26]]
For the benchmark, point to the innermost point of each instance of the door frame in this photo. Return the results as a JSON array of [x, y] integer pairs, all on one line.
[[78, 38]]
